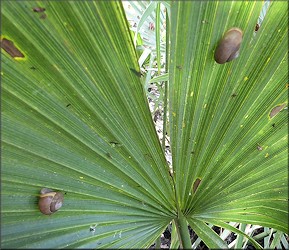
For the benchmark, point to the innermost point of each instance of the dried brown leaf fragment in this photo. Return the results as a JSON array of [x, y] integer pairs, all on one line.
[[276, 110], [10, 48]]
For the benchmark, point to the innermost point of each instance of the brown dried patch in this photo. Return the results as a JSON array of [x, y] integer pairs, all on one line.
[[10, 48], [38, 9], [276, 110], [257, 27], [196, 184]]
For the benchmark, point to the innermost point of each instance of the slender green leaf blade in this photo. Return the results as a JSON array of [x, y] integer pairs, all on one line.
[[208, 235]]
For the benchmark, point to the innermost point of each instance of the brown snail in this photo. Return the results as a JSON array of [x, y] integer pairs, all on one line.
[[50, 201], [228, 47]]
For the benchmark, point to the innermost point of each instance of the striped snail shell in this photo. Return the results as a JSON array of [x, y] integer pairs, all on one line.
[[228, 47], [50, 201]]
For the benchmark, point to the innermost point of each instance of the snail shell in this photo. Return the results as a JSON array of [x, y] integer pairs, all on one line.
[[228, 48], [50, 201]]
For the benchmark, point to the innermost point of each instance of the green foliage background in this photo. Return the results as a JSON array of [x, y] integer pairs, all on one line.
[[75, 119]]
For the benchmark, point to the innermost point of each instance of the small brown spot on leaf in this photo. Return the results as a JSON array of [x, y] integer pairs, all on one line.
[[179, 67], [38, 9], [10, 48], [196, 184], [257, 27], [276, 110]]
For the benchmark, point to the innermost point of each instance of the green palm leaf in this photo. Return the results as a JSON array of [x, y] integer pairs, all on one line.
[[78, 121], [221, 130], [75, 119]]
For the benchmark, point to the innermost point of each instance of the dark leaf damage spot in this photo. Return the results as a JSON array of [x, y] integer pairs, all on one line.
[[276, 110], [33, 68], [196, 184], [38, 9], [10, 48], [234, 95], [68, 105], [257, 27], [179, 67]]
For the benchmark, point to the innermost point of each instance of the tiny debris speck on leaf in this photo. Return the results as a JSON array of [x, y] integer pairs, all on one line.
[[259, 148]]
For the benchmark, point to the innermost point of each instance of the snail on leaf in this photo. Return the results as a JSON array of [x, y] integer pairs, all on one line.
[[229, 45], [50, 201]]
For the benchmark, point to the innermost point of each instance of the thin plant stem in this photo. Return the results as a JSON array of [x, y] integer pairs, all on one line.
[[165, 105], [183, 232], [158, 35], [158, 243]]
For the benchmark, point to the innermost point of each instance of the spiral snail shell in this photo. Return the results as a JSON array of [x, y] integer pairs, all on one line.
[[50, 201], [228, 47]]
